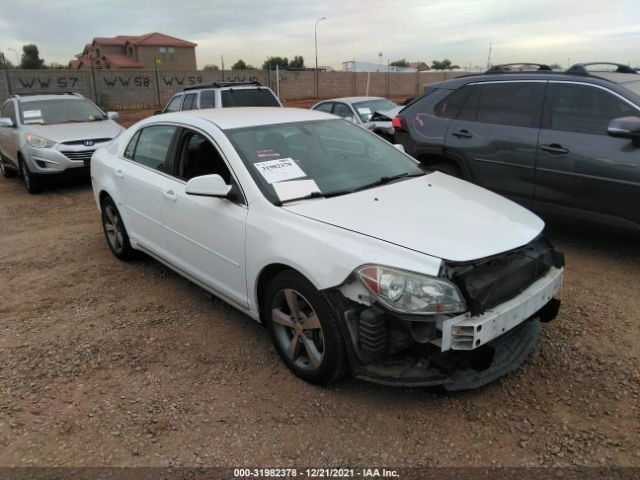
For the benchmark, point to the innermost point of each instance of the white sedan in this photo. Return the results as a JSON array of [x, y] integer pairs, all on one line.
[[355, 258]]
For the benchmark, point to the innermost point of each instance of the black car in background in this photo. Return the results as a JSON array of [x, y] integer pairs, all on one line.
[[561, 143]]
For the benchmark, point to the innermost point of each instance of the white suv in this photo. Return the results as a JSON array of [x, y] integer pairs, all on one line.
[[222, 95], [354, 257]]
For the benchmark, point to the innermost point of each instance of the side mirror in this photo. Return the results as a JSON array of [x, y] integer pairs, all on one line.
[[626, 127], [399, 147], [350, 119], [158, 112], [6, 122], [208, 186], [113, 115]]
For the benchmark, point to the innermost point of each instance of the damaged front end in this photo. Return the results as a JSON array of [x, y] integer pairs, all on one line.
[[484, 321]]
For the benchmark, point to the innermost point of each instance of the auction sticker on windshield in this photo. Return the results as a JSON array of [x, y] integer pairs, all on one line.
[[279, 170]]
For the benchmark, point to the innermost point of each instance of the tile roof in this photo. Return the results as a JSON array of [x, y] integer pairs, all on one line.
[[121, 61], [152, 39]]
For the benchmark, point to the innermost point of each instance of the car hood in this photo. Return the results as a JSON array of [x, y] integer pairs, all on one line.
[[68, 132], [436, 214]]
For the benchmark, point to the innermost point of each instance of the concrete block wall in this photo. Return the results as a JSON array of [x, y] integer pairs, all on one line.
[[131, 89]]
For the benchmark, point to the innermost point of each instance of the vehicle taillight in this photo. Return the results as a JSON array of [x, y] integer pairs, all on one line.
[[396, 123]]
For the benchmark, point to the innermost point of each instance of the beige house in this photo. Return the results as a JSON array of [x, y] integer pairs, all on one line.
[[137, 51]]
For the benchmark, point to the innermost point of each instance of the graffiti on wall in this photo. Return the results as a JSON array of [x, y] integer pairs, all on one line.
[[243, 78], [40, 83]]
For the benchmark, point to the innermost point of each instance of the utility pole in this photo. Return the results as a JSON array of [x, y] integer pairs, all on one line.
[[489, 57], [315, 33]]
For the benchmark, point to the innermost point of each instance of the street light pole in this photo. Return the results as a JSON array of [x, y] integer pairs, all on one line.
[[315, 31]]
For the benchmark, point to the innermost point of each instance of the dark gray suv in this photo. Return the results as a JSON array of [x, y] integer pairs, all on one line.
[[560, 143]]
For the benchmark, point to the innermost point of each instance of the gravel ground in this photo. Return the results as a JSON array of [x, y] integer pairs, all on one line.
[[105, 363]]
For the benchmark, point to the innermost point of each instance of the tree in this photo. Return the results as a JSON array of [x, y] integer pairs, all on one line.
[[211, 66], [56, 65], [239, 65], [400, 63], [297, 62], [271, 62], [31, 57], [555, 66], [443, 65], [5, 62]]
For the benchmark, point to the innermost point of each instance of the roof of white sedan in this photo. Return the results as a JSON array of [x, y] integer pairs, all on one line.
[[352, 99], [238, 117]]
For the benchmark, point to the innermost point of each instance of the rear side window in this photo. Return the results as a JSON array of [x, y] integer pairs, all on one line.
[[152, 146], [190, 102], [248, 97], [341, 110], [324, 107], [207, 99], [174, 104], [450, 106], [516, 103], [586, 109]]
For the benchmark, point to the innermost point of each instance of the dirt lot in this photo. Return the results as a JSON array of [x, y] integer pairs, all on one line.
[[105, 363]]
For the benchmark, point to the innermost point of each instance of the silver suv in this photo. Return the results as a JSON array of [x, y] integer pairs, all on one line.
[[222, 95], [46, 135]]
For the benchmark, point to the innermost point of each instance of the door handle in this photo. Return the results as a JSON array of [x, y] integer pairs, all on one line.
[[119, 174], [170, 195], [554, 149], [463, 134]]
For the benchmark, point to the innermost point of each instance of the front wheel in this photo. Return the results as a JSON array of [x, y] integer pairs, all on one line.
[[31, 183], [304, 329], [115, 232]]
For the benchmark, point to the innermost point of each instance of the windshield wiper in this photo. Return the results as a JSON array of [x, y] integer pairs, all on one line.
[[387, 179]]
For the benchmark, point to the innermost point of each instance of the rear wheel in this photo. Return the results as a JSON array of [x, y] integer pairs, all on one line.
[[304, 329], [447, 168], [31, 183], [115, 232], [7, 172]]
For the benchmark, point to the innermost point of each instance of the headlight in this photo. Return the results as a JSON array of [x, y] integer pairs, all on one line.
[[38, 141], [407, 292]]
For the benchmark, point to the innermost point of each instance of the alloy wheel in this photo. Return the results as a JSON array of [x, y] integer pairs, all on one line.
[[297, 329], [113, 228]]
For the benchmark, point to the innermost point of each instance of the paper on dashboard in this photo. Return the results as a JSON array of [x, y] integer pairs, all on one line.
[[295, 189]]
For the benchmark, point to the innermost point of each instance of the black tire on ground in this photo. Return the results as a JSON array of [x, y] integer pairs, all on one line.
[[447, 168], [31, 183], [310, 342], [7, 172], [115, 231]]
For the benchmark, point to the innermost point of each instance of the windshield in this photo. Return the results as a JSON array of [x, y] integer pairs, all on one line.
[[633, 86], [60, 111], [248, 97], [368, 107], [325, 157]]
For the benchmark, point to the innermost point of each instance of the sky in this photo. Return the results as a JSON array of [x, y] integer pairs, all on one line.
[[543, 31]]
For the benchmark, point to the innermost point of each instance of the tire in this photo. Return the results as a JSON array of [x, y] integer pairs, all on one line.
[[447, 168], [7, 172], [115, 231], [310, 342], [31, 183]]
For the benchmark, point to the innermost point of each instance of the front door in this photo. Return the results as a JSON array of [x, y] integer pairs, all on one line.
[[581, 171], [205, 236]]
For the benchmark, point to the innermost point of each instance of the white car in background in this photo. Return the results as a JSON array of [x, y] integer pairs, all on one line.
[[354, 257], [48, 135], [372, 113]]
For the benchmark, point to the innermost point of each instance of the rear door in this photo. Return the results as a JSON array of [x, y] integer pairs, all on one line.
[[496, 132], [581, 171], [142, 179]]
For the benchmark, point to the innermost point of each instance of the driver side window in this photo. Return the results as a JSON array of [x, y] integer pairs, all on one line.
[[342, 110], [197, 156]]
